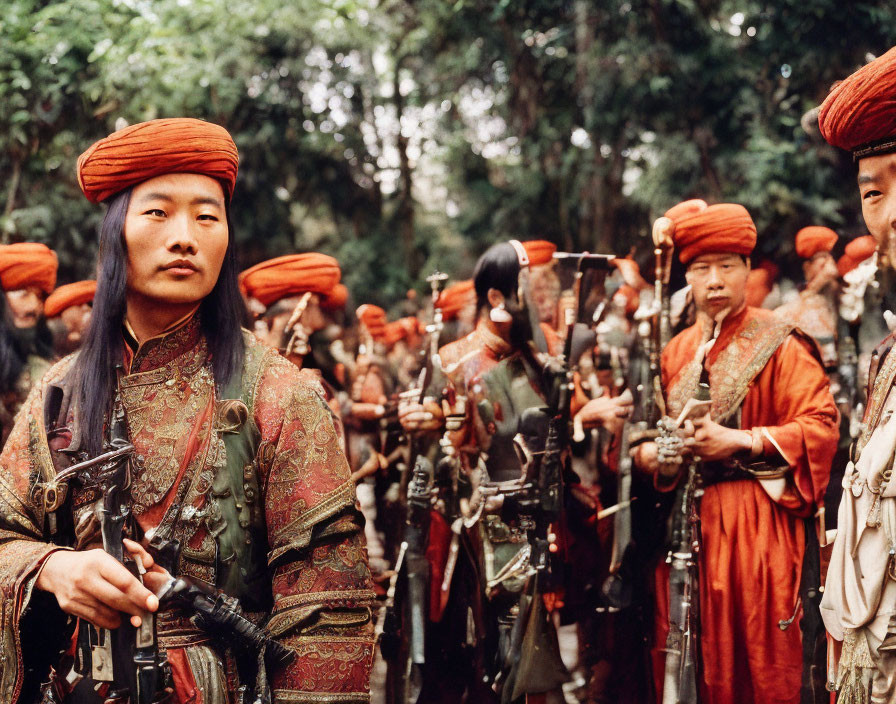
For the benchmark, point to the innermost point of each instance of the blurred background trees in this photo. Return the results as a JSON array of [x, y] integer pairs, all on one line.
[[405, 135]]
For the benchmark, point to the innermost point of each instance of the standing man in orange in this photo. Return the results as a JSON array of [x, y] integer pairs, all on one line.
[[765, 447]]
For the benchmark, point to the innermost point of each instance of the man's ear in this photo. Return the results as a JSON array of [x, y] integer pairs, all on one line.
[[495, 297]]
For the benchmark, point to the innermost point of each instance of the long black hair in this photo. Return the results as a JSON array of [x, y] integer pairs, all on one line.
[[12, 361], [222, 313], [498, 268]]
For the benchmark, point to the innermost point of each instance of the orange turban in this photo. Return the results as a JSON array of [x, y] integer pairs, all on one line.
[[759, 285], [859, 114], [27, 264], [632, 298], [857, 251], [69, 295], [290, 275], [814, 239], [149, 149], [401, 329], [336, 298], [540, 251], [722, 228], [686, 208], [455, 298], [373, 318]]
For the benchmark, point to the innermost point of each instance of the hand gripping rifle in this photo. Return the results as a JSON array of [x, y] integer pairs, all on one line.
[[126, 658]]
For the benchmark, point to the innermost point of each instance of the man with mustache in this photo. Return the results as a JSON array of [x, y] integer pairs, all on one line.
[[237, 482], [765, 447], [27, 276], [859, 604]]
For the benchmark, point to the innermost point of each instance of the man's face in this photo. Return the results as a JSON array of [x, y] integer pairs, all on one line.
[[176, 236], [76, 319], [877, 187], [718, 281], [26, 306], [820, 270]]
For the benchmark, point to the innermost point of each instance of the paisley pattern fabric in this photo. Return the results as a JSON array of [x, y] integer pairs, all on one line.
[[321, 594]]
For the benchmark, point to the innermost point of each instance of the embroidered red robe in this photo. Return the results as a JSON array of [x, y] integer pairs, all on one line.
[[752, 546], [320, 581]]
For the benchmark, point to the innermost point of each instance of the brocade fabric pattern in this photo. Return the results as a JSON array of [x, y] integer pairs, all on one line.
[[322, 594]]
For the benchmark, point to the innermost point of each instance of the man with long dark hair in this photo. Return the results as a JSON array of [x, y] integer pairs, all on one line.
[[27, 275], [237, 480]]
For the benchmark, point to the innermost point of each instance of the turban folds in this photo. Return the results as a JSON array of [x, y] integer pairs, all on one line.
[[290, 275], [373, 318], [336, 298], [27, 264], [69, 295], [540, 252], [402, 329], [455, 298], [685, 208], [814, 239], [857, 251], [716, 229], [859, 114], [149, 149]]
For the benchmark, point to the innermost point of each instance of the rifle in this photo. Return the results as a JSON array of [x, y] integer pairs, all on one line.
[[126, 658], [654, 331], [680, 678]]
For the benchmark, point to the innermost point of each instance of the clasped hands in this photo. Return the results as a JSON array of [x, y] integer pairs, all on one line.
[[701, 437]]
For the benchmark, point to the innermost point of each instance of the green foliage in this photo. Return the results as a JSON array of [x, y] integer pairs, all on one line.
[[403, 136]]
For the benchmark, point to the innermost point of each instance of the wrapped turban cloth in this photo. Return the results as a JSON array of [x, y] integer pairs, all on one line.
[[27, 264], [722, 228], [685, 208], [455, 298], [859, 114], [814, 239], [69, 295], [760, 282], [402, 329], [290, 275], [857, 251], [336, 298], [149, 149], [540, 251], [373, 318]]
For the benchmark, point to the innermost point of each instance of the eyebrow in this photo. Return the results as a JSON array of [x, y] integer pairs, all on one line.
[[200, 200], [865, 178]]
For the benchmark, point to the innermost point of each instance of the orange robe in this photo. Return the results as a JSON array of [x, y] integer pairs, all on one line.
[[752, 546]]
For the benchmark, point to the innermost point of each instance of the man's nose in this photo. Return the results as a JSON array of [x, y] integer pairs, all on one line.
[[182, 235], [714, 279]]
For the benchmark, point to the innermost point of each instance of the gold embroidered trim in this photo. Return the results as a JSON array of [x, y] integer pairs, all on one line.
[[883, 382], [291, 695], [302, 526]]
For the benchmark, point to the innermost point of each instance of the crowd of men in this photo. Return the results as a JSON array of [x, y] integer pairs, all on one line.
[[557, 440]]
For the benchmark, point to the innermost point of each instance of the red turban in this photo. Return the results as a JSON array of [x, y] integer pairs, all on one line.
[[290, 275], [69, 295], [455, 298], [722, 228], [859, 114], [373, 318], [27, 264], [632, 298], [149, 149], [336, 298], [857, 251], [814, 239], [540, 251]]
